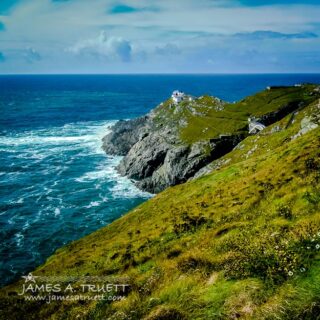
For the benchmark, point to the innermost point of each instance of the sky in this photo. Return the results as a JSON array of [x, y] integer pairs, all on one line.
[[159, 36]]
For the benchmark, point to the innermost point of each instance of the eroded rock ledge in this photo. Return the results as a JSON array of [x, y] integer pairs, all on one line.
[[155, 155], [157, 158], [157, 151]]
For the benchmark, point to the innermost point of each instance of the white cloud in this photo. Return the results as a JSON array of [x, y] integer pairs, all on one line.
[[178, 35], [113, 48], [31, 55], [168, 49]]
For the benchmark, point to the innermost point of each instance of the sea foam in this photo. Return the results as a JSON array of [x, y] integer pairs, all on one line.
[[60, 186]]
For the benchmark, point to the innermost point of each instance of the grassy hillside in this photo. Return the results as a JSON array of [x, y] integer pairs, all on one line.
[[241, 242], [207, 117]]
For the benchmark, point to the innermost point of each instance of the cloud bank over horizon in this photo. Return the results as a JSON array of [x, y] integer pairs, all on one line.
[[148, 36]]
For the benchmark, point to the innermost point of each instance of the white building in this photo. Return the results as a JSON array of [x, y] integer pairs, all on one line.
[[177, 96], [255, 126]]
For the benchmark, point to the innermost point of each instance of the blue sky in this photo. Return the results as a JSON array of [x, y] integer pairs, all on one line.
[[167, 36]]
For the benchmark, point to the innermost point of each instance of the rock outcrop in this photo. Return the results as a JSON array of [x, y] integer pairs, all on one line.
[[157, 153], [124, 135], [309, 123], [156, 157], [154, 153]]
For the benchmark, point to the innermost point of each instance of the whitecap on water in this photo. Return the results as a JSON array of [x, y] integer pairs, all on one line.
[[64, 171], [123, 188], [20, 200], [19, 238], [106, 170], [126, 189], [93, 204], [76, 133], [26, 225], [103, 198]]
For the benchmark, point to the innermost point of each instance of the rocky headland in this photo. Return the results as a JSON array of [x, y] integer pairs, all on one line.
[[176, 140], [240, 240]]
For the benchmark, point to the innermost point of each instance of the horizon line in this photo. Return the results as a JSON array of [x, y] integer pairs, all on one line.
[[159, 74]]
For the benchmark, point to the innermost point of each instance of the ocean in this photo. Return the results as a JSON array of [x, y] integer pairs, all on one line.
[[57, 185]]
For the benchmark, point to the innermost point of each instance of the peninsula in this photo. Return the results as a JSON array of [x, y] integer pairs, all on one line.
[[235, 233], [176, 140]]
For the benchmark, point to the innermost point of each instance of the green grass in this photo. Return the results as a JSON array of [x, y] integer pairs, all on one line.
[[206, 117], [240, 242]]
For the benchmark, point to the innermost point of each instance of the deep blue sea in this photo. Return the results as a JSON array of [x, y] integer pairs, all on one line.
[[57, 185]]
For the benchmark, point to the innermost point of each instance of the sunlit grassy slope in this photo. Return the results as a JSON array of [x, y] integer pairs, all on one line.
[[208, 117], [241, 242]]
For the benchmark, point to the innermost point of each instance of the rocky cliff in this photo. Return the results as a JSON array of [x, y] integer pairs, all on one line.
[[174, 141], [241, 242]]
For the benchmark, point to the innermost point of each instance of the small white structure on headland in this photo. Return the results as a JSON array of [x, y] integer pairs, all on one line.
[[255, 126], [177, 96]]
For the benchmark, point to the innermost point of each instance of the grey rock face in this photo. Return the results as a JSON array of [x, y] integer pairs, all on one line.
[[275, 116], [155, 156], [306, 125], [144, 157], [177, 166], [125, 133]]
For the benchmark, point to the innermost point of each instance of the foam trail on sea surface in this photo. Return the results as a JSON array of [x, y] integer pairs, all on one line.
[[58, 177]]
